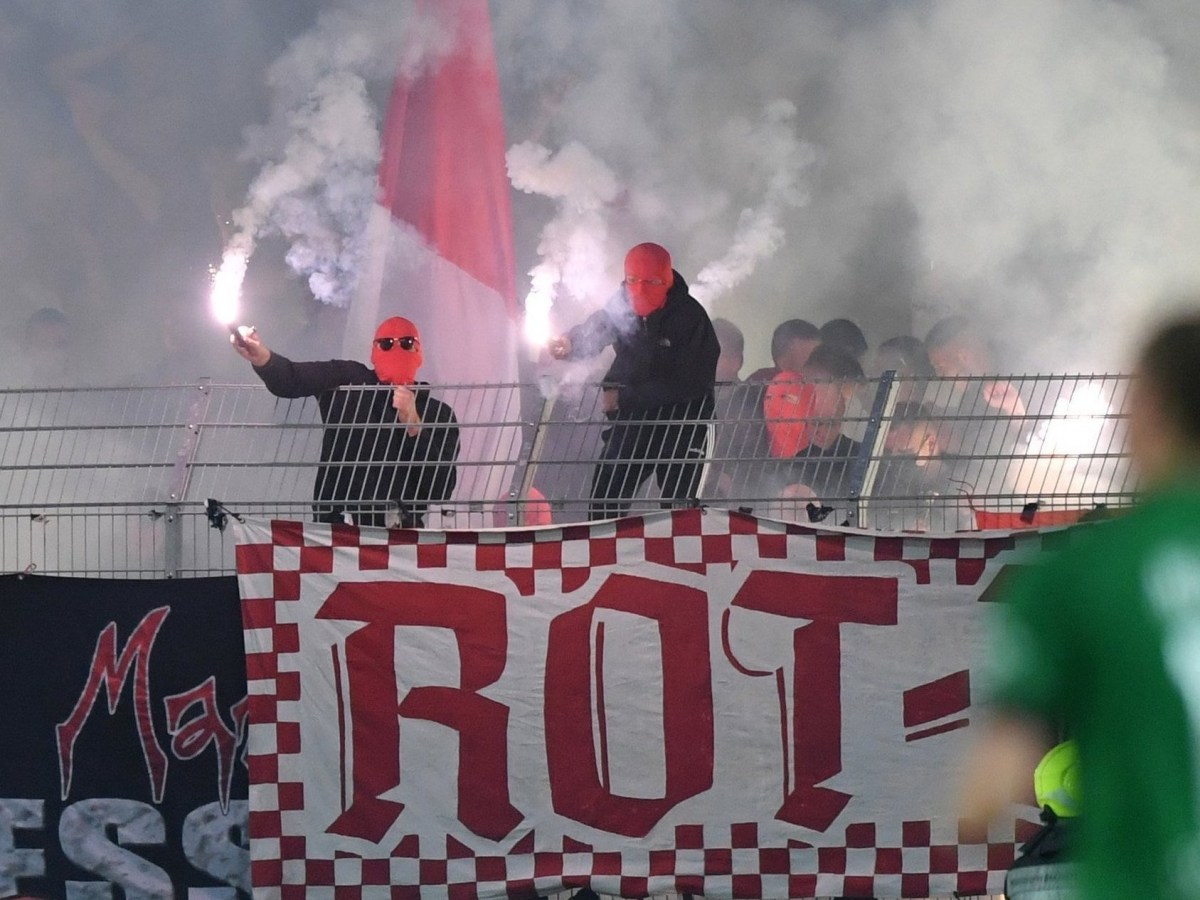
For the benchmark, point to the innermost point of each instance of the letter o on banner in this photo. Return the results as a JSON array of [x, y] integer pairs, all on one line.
[[577, 777]]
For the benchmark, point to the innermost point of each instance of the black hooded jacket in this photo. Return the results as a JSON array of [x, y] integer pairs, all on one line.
[[362, 428], [666, 362]]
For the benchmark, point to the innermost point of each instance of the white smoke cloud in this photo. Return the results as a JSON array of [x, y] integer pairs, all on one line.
[[773, 146], [1051, 165], [574, 245], [576, 254], [706, 133], [1028, 162], [702, 160], [321, 148]]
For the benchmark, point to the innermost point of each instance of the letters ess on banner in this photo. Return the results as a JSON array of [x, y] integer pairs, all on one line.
[[124, 718]]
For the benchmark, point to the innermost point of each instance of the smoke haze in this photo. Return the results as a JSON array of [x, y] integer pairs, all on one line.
[[1031, 163]]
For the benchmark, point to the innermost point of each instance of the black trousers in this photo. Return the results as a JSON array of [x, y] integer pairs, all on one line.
[[633, 451]]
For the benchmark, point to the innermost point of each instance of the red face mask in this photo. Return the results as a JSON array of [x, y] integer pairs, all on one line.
[[648, 277], [787, 407], [393, 363]]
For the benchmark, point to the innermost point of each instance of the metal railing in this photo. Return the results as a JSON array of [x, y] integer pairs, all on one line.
[[119, 481]]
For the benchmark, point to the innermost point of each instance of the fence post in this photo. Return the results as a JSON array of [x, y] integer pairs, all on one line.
[[524, 476], [181, 472], [866, 466]]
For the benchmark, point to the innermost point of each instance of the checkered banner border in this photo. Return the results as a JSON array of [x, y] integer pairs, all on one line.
[[716, 862], [731, 864]]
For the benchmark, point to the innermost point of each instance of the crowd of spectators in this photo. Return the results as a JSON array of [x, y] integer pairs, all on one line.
[[803, 439]]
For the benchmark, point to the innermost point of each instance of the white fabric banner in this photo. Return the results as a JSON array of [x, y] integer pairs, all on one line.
[[695, 701]]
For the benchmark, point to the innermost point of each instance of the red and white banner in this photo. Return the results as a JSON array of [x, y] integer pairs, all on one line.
[[440, 243], [697, 702]]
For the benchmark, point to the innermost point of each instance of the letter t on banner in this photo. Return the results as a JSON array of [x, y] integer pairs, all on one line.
[[813, 742]]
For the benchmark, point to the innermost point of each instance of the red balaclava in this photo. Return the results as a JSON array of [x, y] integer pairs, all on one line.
[[787, 407], [396, 365], [648, 277]]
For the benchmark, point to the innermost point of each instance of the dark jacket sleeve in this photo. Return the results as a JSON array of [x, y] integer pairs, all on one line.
[[285, 378], [680, 365], [591, 336], [436, 446]]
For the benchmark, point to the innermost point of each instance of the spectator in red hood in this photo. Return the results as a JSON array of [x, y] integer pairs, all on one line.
[[659, 388], [409, 438], [985, 421], [804, 416]]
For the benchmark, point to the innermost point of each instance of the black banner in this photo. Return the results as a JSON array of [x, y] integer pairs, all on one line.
[[122, 738]]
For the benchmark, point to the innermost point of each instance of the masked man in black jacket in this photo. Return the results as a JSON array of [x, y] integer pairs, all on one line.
[[385, 455], [659, 390]]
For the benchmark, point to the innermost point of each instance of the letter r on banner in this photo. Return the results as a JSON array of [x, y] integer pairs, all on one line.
[[577, 785], [478, 620]]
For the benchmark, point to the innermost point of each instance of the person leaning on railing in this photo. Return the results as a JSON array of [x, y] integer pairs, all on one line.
[[659, 393], [385, 455]]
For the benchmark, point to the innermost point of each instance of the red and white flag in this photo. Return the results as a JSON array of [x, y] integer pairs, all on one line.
[[440, 247]]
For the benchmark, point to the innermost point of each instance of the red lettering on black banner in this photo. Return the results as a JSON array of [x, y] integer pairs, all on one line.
[[189, 739], [111, 671]]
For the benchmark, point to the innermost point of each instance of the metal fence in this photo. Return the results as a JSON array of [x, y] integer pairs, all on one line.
[[130, 482]]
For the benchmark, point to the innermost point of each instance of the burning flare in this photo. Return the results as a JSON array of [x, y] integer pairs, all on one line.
[[538, 327], [1061, 460], [537, 318], [227, 286], [1077, 423]]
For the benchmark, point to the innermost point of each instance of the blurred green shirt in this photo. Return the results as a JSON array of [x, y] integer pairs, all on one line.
[[1103, 637]]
